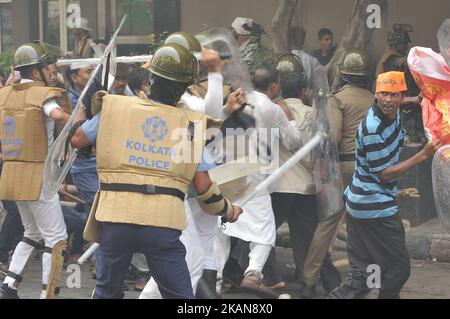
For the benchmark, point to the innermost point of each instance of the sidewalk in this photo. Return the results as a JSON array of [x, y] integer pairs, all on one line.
[[428, 241]]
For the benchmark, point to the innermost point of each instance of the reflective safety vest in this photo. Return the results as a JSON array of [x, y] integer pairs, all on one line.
[[24, 139], [147, 155]]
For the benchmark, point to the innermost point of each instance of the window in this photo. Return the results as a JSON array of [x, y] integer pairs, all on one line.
[[6, 40], [139, 23], [145, 17], [53, 22]]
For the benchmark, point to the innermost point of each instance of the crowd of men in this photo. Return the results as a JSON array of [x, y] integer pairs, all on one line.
[[169, 218]]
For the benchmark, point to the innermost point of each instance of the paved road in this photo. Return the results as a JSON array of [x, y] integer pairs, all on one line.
[[428, 280]]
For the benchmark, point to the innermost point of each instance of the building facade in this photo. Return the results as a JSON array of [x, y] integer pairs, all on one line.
[[52, 20], [49, 20]]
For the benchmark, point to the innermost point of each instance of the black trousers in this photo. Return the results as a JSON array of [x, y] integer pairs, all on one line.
[[12, 230], [300, 211], [381, 242]]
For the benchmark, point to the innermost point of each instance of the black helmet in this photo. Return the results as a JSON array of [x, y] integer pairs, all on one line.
[[399, 34]]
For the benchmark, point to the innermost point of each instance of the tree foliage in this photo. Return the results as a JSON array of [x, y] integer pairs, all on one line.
[[7, 60]]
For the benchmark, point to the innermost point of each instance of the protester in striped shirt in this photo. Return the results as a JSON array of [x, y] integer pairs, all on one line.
[[376, 235]]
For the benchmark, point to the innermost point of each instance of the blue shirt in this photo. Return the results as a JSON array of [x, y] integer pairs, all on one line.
[[74, 96], [378, 145], [81, 165], [90, 129]]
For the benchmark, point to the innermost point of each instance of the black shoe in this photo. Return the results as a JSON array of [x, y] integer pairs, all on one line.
[[206, 287], [8, 293], [330, 278], [307, 291]]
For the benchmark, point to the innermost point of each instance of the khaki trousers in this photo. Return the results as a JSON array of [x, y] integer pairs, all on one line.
[[325, 234]]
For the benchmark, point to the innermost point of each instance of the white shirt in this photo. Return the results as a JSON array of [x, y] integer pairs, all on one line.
[[270, 115], [212, 105], [48, 107]]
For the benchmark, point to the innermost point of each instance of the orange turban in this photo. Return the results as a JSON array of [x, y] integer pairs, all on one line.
[[393, 81]]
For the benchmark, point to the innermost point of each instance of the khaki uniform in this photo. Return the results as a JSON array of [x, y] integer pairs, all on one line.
[[83, 49], [24, 138], [24, 142], [346, 108], [140, 151]]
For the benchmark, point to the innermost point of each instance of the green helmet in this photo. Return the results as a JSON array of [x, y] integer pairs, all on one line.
[[29, 54], [174, 62], [186, 40], [354, 62], [51, 52], [36, 52], [399, 34], [289, 63]]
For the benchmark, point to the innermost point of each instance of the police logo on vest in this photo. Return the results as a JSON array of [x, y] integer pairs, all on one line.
[[154, 129], [9, 125]]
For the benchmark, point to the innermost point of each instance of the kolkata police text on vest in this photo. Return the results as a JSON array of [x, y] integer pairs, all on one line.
[[148, 149]]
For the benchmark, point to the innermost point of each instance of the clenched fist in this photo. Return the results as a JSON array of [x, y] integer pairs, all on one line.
[[234, 215]]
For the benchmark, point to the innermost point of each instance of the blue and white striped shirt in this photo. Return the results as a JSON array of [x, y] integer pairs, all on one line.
[[378, 145]]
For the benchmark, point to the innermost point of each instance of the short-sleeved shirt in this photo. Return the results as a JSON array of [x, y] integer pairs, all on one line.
[[378, 145], [90, 129]]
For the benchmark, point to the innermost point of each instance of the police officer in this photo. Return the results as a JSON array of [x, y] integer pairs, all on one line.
[[288, 64], [347, 107], [143, 178], [28, 111], [202, 232], [84, 46], [394, 56]]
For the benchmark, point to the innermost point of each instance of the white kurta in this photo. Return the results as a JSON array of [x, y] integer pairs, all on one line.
[[257, 223]]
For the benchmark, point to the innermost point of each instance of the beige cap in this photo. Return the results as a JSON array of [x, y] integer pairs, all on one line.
[[242, 25]]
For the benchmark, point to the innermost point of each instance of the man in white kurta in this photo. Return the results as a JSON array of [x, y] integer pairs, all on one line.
[[257, 224]]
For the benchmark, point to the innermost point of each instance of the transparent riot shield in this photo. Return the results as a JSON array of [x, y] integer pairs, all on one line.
[[61, 154], [327, 169], [235, 72], [235, 75], [441, 185], [444, 40]]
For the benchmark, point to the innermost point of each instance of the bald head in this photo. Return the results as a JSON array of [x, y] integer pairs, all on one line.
[[265, 79]]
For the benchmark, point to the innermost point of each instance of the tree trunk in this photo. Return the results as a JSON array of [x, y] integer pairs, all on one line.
[[280, 25], [357, 35]]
